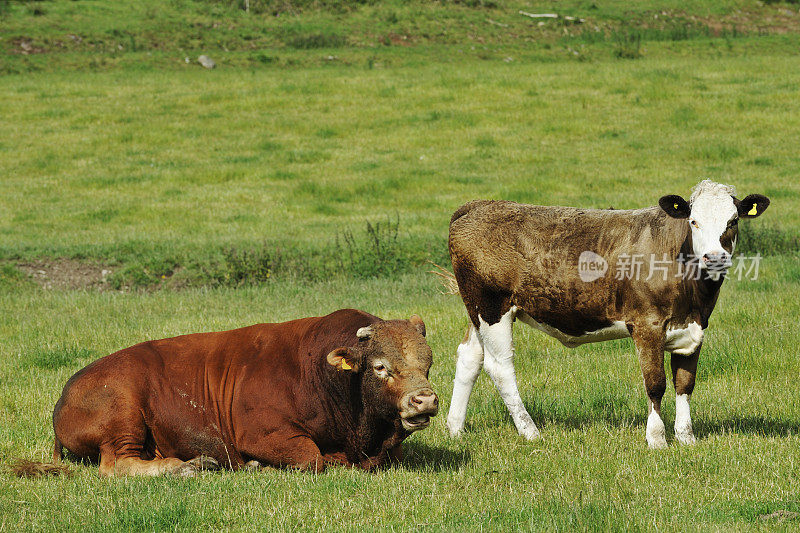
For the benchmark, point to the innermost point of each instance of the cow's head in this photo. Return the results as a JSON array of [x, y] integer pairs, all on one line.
[[713, 214], [393, 359]]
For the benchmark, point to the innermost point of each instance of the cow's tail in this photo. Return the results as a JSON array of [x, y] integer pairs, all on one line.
[[33, 469], [467, 207], [446, 277]]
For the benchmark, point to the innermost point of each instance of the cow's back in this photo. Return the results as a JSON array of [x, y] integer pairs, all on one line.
[[528, 255]]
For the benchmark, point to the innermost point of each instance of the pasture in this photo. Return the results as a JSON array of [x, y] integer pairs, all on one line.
[[269, 190]]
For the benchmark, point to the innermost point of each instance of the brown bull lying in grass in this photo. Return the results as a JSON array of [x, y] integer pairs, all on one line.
[[346, 388]]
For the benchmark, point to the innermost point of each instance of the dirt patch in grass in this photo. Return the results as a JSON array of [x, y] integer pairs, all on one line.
[[66, 274]]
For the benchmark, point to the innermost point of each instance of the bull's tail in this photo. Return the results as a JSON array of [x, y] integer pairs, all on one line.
[[446, 277], [26, 468], [58, 449]]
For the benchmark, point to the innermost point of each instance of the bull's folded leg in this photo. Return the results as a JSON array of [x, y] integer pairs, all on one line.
[[650, 349], [285, 449], [468, 366], [498, 346], [112, 465], [684, 369]]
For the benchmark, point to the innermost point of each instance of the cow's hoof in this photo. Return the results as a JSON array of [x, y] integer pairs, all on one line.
[[204, 462], [530, 432], [656, 433], [685, 437], [455, 430]]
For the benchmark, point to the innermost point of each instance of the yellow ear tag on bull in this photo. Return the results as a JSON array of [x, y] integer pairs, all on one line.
[[345, 366], [753, 211]]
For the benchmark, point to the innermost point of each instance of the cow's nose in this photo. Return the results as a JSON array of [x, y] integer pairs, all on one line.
[[424, 401], [716, 258]]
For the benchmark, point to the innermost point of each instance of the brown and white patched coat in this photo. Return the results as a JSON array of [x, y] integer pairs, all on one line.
[[514, 261]]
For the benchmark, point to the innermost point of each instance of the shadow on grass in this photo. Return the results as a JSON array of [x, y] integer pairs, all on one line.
[[617, 416], [751, 425], [418, 456]]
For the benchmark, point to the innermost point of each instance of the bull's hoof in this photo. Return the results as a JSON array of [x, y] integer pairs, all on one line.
[[204, 462], [251, 466], [186, 470]]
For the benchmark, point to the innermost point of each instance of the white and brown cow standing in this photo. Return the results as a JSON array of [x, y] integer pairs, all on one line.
[[515, 261]]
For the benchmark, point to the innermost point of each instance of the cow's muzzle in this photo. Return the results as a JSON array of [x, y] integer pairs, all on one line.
[[716, 263], [417, 408]]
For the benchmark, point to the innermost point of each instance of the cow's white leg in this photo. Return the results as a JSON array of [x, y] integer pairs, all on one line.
[[498, 346], [683, 419], [684, 370], [468, 366], [656, 432]]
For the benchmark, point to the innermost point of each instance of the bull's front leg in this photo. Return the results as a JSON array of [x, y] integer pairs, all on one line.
[[650, 349], [684, 370]]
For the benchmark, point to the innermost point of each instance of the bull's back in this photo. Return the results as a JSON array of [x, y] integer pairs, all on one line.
[[182, 393]]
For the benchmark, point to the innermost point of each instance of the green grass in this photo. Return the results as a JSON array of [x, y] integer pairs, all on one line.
[[317, 167], [591, 471], [156, 171]]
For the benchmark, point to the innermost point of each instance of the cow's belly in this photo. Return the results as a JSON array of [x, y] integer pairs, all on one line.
[[617, 330]]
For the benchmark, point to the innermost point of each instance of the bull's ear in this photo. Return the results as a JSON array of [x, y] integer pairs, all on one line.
[[675, 206], [752, 206], [343, 359], [417, 322]]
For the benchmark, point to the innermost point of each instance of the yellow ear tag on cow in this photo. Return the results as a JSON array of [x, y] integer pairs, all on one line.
[[675, 206], [753, 211], [345, 366]]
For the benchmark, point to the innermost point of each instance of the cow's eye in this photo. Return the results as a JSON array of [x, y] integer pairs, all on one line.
[[733, 223], [695, 224]]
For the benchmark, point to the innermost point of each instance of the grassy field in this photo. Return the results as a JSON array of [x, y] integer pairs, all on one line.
[[297, 178]]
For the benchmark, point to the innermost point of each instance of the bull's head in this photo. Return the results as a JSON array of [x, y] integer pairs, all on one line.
[[713, 214], [393, 359]]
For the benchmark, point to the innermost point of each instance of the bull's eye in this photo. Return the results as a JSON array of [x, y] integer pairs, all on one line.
[[380, 370]]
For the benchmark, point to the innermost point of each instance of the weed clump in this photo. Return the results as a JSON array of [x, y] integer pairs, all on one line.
[[380, 250]]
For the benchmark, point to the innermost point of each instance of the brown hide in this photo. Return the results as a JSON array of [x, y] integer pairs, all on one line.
[[508, 254], [263, 393]]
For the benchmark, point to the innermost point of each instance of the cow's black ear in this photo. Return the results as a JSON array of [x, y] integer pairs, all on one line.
[[417, 322], [752, 206], [343, 359], [675, 206]]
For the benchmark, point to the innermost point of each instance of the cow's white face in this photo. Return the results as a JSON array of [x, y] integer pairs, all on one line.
[[713, 214]]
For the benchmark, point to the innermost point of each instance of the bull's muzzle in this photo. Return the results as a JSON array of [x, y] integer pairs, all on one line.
[[417, 408]]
